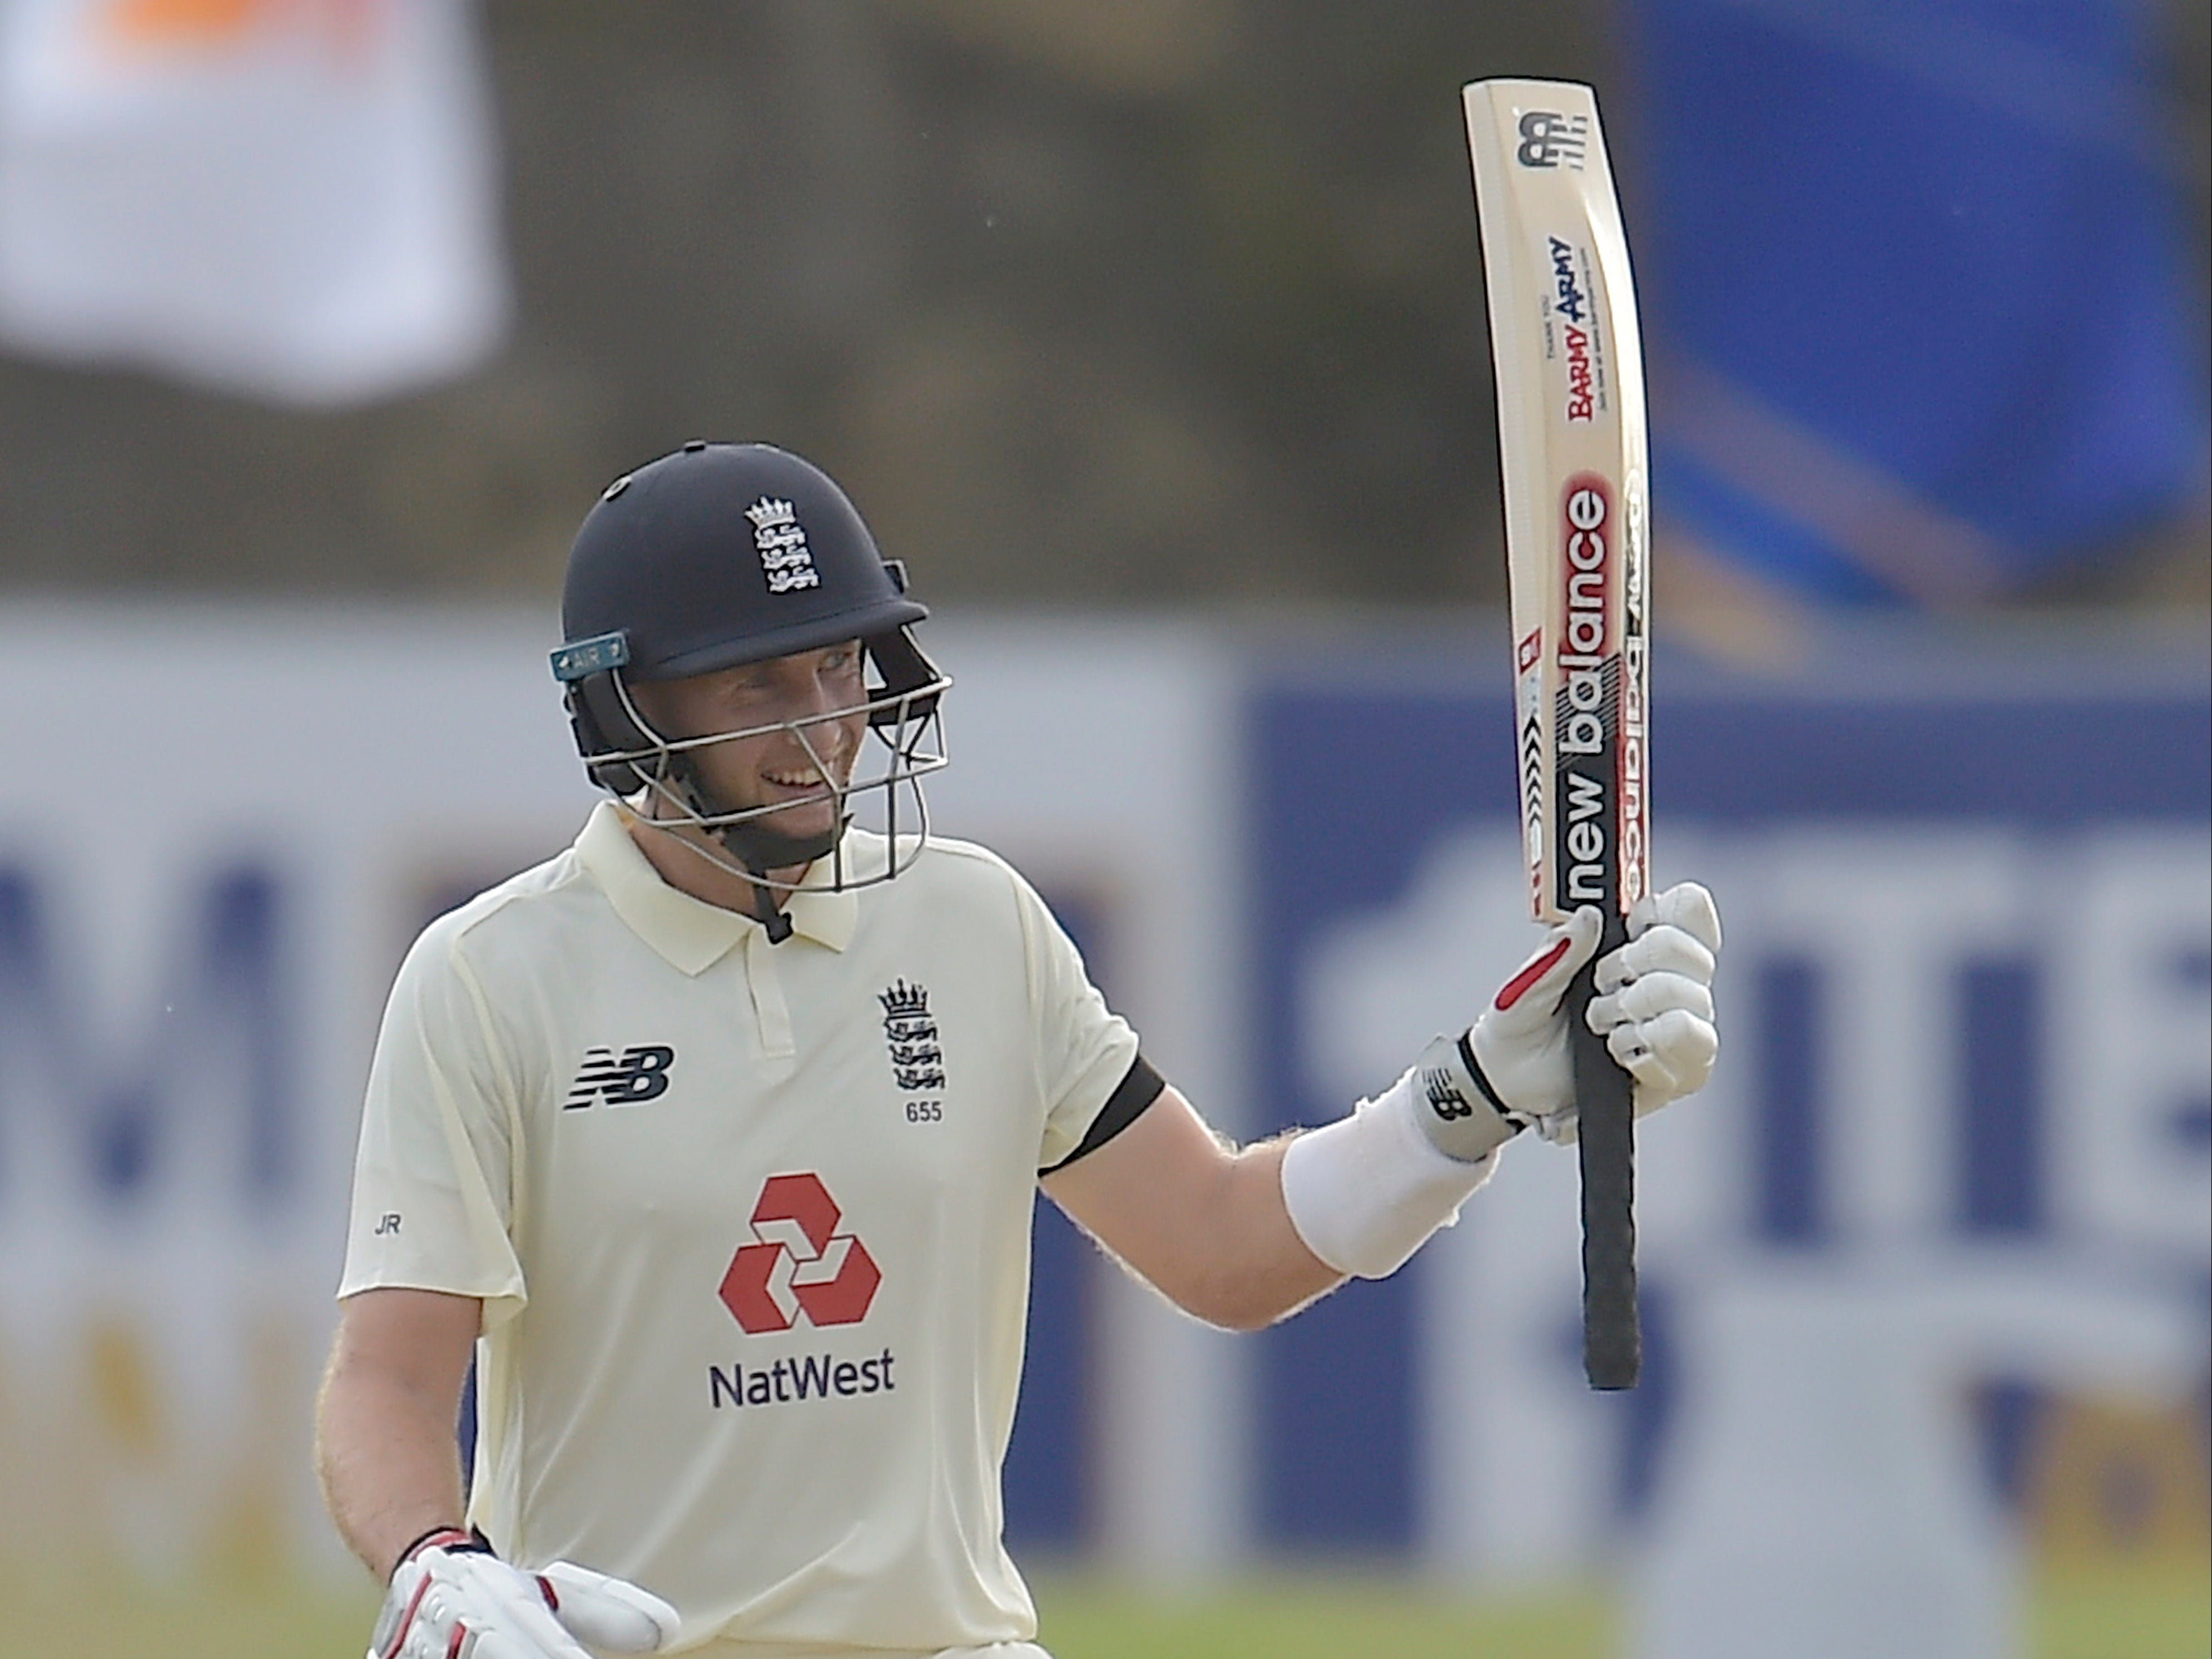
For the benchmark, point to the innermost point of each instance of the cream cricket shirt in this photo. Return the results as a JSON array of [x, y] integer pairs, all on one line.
[[750, 1222]]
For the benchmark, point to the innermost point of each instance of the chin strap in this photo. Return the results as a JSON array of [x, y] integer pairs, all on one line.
[[769, 914], [756, 850]]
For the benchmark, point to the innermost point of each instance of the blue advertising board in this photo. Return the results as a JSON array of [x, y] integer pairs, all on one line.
[[1353, 787]]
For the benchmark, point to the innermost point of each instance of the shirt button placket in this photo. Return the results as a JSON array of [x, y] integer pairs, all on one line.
[[771, 1018]]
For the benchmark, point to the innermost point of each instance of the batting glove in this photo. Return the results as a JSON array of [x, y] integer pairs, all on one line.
[[451, 1598], [1653, 1007], [1363, 1192], [1654, 1002]]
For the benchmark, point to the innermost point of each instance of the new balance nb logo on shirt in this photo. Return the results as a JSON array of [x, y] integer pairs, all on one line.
[[638, 1074]]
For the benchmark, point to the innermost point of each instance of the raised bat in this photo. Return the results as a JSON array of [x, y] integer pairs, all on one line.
[[1572, 439]]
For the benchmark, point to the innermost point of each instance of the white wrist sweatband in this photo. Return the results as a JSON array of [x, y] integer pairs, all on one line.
[[1366, 1191]]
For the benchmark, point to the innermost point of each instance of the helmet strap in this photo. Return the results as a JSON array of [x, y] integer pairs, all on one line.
[[757, 848], [760, 851], [769, 914]]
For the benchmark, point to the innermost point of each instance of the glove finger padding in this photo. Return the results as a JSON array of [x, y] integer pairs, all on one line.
[[1646, 998], [1670, 1056], [1685, 905], [1662, 950], [526, 1621], [609, 1613], [531, 1625], [1655, 1006]]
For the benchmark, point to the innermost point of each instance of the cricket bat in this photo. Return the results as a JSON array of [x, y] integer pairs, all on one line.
[[1572, 434]]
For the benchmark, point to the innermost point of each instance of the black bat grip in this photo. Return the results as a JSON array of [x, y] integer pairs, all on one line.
[[1613, 1341]]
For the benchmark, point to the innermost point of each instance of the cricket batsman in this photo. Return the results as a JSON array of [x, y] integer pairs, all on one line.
[[713, 1140]]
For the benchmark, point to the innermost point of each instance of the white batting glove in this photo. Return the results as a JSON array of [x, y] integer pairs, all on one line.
[[1654, 1008], [451, 1598], [1363, 1192], [1654, 1002]]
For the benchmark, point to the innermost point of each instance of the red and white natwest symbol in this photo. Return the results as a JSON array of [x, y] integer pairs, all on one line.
[[801, 1264]]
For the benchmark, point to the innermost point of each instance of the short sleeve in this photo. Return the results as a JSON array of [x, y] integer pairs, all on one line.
[[1084, 1050], [432, 1205]]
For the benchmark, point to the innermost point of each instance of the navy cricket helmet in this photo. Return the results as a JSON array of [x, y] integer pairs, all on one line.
[[722, 554], [715, 555]]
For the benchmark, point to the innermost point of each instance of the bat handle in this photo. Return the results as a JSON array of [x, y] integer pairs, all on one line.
[[1612, 1342]]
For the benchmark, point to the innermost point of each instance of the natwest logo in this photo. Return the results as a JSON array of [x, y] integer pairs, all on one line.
[[799, 1263]]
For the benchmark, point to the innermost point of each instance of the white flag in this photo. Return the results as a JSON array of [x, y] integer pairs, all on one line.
[[293, 199]]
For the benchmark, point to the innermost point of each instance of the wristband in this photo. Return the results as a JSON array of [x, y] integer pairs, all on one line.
[[460, 1541], [1366, 1192]]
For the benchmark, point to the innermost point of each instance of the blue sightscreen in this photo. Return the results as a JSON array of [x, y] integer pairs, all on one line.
[[1349, 784]]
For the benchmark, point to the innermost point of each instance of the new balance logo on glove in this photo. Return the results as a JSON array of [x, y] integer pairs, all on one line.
[[1444, 1096], [639, 1074]]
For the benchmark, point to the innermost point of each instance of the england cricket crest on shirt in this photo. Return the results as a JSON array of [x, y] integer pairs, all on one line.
[[786, 559], [917, 1053]]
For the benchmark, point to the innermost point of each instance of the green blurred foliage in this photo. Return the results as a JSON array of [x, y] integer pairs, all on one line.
[[1167, 300], [1161, 302]]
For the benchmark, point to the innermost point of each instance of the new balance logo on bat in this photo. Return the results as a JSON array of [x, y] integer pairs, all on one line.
[[637, 1074], [1549, 138]]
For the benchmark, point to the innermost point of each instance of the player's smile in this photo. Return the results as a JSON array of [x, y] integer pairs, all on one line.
[[806, 780], [803, 790], [797, 750]]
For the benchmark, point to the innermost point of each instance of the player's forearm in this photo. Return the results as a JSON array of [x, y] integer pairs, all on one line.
[[1222, 1248], [1255, 1269], [1201, 1221], [385, 1452]]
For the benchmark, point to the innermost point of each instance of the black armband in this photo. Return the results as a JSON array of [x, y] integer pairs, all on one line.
[[1131, 1098]]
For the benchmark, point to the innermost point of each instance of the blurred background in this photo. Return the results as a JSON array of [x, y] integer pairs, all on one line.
[[1152, 337]]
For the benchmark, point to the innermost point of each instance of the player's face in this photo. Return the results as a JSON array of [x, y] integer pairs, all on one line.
[[807, 743]]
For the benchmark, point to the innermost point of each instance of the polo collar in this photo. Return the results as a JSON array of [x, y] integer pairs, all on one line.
[[690, 934]]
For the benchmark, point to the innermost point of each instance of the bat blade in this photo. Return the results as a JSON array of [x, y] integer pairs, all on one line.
[[1573, 446]]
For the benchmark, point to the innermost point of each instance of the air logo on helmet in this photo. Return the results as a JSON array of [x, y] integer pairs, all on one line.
[[786, 560]]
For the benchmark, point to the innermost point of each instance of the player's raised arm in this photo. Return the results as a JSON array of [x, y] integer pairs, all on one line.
[[1240, 1236]]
